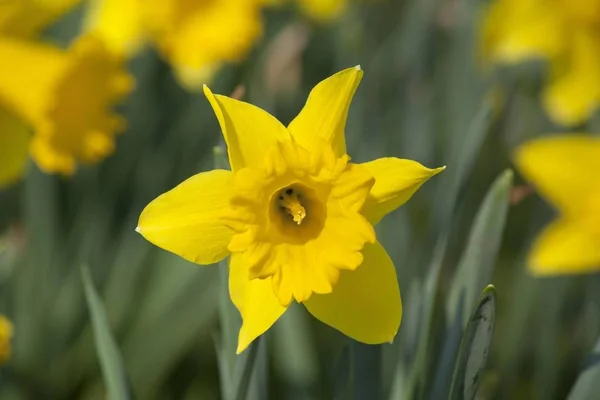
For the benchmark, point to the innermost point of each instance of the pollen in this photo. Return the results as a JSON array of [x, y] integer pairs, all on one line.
[[289, 201]]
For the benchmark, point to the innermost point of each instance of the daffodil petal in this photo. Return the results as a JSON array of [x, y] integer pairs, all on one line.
[[6, 335], [324, 115], [562, 168], [186, 219], [239, 26], [14, 148], [118, 23], [396, 180], [255, 300], [574, 91], [517, 31], [248, 130], [565, 247], [365, 303]]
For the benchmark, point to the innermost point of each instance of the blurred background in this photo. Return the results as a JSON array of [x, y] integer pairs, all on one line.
[[426, 95]]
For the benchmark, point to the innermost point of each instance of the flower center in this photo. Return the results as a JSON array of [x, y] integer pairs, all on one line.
[[297, 213], [290, 203]]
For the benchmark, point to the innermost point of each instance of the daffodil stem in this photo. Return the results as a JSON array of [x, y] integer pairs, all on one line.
[[228, 319], [366, 371], [228, 316]]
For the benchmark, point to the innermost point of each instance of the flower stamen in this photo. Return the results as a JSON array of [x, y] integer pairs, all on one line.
[[289, 201]]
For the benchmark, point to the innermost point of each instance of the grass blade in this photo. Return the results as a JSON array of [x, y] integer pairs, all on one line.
[[587, 386], [111, 362], [244, 368], [474, 272], [477, 263], [460, 166], [474, 347]]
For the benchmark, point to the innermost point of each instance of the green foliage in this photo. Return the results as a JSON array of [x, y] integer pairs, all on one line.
[[476, 265], [588, 383], [108, 352], [423, 97], [474, 347]]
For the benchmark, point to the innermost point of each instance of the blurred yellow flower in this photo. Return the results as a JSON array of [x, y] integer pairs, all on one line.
[[6, 334], [27, 18], [14, 148], [323, 10], [66, 97], [565, 171], [22, 19], [566, 34], [296, 216], [195, 36]]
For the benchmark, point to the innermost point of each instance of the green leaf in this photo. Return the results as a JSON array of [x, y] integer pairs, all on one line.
[[177, 332], [460, 166], [476, 265], [244, 369], [295, 353], [474, 272], [587, 386], [474, 347], [111, 362]]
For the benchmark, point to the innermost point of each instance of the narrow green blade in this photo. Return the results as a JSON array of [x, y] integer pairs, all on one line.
[[477, 263], [474, 347], [474, 272], [111, 362], [460, 166], [587, 386]]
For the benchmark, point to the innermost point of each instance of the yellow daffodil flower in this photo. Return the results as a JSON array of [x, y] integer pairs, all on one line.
[[296, 216], [565, 171], [22, 19], [66, 97], [195, 37], [27, 18], [566, 33], [6, 334]]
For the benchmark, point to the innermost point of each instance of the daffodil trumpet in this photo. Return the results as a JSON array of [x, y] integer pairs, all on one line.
[[295, 215]]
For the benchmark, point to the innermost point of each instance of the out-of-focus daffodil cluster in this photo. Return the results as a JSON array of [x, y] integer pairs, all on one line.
[[566, 33], [565, 171], [296, 216], [195, 36], [55, 103], [6, 334], [66, 97]]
